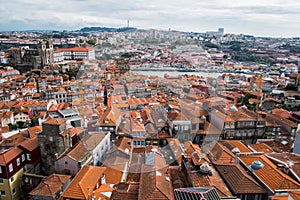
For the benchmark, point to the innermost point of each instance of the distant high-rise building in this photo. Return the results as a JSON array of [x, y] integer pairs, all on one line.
[[218, 33], [221, 31]]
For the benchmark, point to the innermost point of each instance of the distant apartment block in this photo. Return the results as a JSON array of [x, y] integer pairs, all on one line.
[[76, 53]]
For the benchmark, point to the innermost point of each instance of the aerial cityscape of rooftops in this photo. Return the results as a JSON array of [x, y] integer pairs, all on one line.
[[125, 113]]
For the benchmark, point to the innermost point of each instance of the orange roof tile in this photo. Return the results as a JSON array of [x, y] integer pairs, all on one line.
[[54, 121], [30, 144], [231, 144], [281, 112], [239, 180], [261, 147], [269, 174], [9, 155], [123, 144], [84, 182], [113, 174], [154, 184], [295, 195], [279, 197], [212, 179], [78, 152], [128, 191], [221, 154], [75, 49], [51, 186]]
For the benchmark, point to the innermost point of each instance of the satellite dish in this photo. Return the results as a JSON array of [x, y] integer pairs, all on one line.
[[205, 168], [256, 165]]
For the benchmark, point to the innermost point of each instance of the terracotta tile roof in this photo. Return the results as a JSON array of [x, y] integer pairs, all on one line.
[[155, 158], [113, 174], [109, 117], [279, 197], [277, 144], [269, 174], [60, 106], [51, 186], [115, 161], [128, 191], [295, 195], [30, 144], [176, 149], [6, 115], [137, 126], [120, 101], [124, 143], [221, 154], [260, 147], [92, 141], [41, 114], [282, 120], [287, 161], [84, 182], [281, 112], [191, 148], [103, 192], [76, 131], [177, 177], [207, 180], [4, 129], [238, 179], [78, 152], [74, 49], [154, 185], [35, 129], [9, 155], [231, 144], [13, 140], [54, 121]]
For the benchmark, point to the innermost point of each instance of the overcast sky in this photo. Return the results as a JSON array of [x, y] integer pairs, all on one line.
[[278, 18]]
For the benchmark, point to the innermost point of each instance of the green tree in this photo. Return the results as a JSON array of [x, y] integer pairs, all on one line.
[[34, 121], [15, 126], [21, 124], [91, 42], [81, 40]]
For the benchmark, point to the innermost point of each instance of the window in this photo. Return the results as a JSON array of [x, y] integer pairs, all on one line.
[[28, 156], [12, 179], [14, 190], [2, 193], [186, 128], [23, 157], [1, 181], [10, 167], [18, 161], [0, 169]]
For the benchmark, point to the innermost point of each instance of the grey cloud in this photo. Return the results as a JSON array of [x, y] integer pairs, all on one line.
[[240, 16]]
